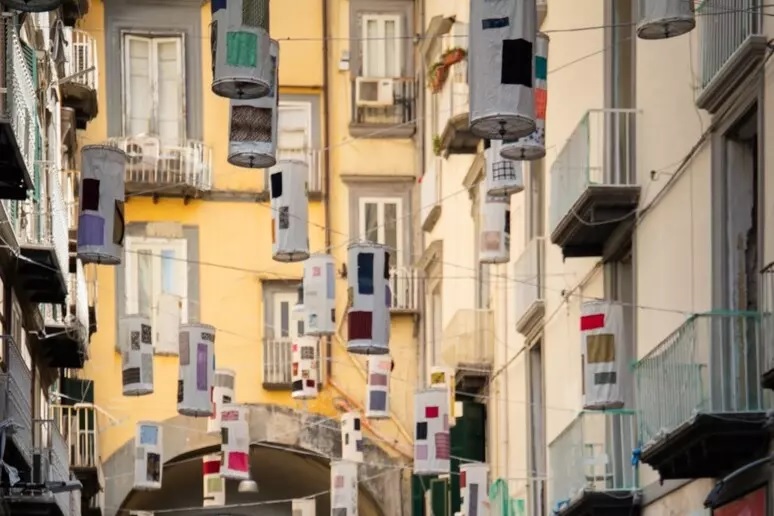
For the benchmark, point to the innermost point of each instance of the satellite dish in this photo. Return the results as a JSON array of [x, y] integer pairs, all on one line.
[[32, 6]]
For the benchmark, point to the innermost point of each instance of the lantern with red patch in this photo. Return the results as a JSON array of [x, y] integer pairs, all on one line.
[[235, 442], [431, 433], [378, 387], [304, 368], [222, 393], [368, 315], [214, 486], [343, 488], [474, 488], [601, 326]]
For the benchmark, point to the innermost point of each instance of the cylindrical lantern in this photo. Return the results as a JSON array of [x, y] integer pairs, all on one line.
[[32, 6], [101, 223], [495, 238], [500, 59], [351, 437], [661, 19], [135, 340], [290, 211], [368, 313], [320, 295], [304, 366], [604, 360], [222, 394], [503, 176], [431, 433], [304, 507], [148, 456], [474, 488], [444, 378], [214, 486], [235, 442], [533, 146], [378, 395], [253, 125], [239, 40], [197, 370], [343, 488]]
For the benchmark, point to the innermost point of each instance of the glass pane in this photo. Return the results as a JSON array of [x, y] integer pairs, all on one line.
[[284, 319], [371, 221], [144, 282], [391, 230], [138, 107], [371, 50], [391, 46], [170, 98], [168, 271]]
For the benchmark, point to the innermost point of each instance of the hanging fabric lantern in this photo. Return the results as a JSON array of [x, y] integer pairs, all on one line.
[[444, 379], [495, 221], [290, 211], [533, 147], [431, 433], [101, 224], [351, 437], [304, 368], [661, 19], [474, 488], [253, 124], [197, 370], [304, 507], [235, 442], [222, 394], [502, 34], [604, 359], [378, 395], [368, 299], [239, 42], [136, 355], [503, 176], [320, 295], [344, 488], [148, 457], [32, 6], [214, 486], [167, 319]]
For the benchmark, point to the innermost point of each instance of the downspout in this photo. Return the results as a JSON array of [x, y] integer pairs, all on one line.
[[422, 156], [326, 196]]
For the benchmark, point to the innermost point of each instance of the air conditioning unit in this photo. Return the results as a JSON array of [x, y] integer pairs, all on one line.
[[374, 91]]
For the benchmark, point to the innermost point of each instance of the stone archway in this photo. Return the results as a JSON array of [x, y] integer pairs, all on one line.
[[185, 436]]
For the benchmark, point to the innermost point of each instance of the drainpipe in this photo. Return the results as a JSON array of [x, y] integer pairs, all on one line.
[[326, 195], [419, 113]]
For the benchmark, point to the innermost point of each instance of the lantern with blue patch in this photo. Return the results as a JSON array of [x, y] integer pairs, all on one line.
[[368, 314]]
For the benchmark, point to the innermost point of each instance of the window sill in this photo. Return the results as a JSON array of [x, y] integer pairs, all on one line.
[[382, 131]]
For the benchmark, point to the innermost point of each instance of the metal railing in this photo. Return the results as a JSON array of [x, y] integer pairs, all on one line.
[[77, 297], [767, 318], [19, 404], [404, 289], [431, 189], [528, 272], [21, 102], [710, 364], [454, 97], [52, 446], [78, 425], [468, 339], [314, 158], [594, 453], [277, 361], [402, 110], [599, 152], [70, 179], [80, 55]]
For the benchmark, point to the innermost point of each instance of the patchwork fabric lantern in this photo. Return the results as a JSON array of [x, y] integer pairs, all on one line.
[[32, 6], [431, 433], [320, 295], [101, 224], [533, 147], [343, 488], [166, 329], [503, 176], [290, 211], [502, 34], [148, 457], [368, 298], [304, 368], [197, 370], [239, 41], [661, 19], [235, 442], [495, 238], [378, 395], [253, 124], [304, 507], [474, 488], [351, 437], [222, 394], [214, 485], [136, 355], [444, 379], [604, 360]]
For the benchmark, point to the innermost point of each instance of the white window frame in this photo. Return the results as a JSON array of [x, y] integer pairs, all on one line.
[[380, 202], [381, 43], [291, 106], [277, 298]]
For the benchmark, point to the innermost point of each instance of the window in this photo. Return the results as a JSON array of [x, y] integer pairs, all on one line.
[[154, 87], [380, 221], [382, 45], [284, 325], [295, 130]]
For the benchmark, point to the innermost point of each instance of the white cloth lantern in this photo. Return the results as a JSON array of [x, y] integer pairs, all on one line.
[[253, 125], [661, 19], [432, 440], [239, 42], [304, 366], [214, 493], [343, 488], [533, 147], [503, 176], [444, 379], [149, 456], [368, 299], [304, 507], [101, 224], [135, 338], [222, 394], [502, 34], [351, 437], [474, 489], [290, 211], [197, 370], [235, 442], [604, 359], [320, 295], [495, 222], [378, 386]]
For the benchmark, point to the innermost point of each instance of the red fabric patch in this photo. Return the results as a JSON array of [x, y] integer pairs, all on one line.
[[237, 461], [360, 325], [592, 322], [431, 412], [211, 467], [463, 479]]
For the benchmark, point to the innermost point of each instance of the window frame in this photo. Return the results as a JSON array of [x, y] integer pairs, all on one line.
[[381, 19], [289, 105], [380, 204], [277, 298]]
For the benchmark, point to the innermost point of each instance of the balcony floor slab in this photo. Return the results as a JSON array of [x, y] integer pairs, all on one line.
[[89, 479], [603, 503], [82, 99], [472, 378], [64, 348], [457, 137], [40, 274], [34, 505], [15, 179]]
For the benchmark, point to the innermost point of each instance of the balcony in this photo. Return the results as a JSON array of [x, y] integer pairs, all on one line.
[[383, 107], [162, 170], [468, 346], [594, 190], [702, 411], [17, 382], [431, 191], [78, 424], [591, 465], [276, 364], [404, 290], [453, 113], [65, 344], [314, 159], [732, 47], [528, 272], [78, 75]]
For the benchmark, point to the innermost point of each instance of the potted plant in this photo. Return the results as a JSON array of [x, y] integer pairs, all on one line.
[[437, 76], [437, 145], [453, 56]]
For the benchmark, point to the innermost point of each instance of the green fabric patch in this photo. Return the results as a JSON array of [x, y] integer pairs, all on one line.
[[242, 49]]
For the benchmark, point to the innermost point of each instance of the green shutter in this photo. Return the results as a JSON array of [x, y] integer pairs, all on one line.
[[439, 497], [468, 437]]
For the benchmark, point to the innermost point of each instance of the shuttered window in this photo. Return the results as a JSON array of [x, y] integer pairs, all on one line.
[[294, 130]]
